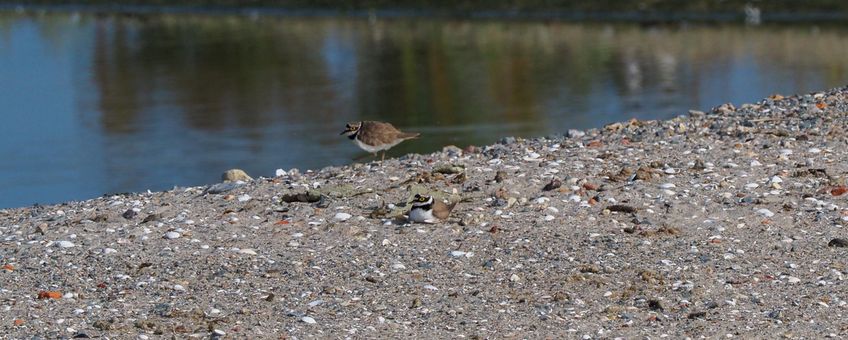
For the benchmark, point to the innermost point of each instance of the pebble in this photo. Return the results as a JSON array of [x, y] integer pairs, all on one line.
[[247, 251], [342, 216], [718, 216], [233, 175], [457, 253], [573, 133], [280, 172], [765, 212], [65, 244], [838, 242]]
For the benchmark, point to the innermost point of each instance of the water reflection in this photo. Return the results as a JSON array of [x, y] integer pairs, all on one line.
[[153, 102]]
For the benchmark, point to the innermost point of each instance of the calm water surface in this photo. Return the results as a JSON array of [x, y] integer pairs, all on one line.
[[95, 105]]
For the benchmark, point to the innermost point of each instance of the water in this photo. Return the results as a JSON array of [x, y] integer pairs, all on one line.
[[101, 104]]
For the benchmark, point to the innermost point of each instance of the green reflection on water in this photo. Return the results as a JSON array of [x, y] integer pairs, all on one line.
[[229, 91]]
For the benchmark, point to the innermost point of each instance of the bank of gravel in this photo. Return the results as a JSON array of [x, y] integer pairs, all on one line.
[[724, 223]]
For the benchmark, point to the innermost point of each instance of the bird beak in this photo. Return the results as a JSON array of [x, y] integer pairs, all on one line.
[[344, 132]]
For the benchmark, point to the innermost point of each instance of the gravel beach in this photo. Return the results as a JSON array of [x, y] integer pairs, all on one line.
[[728, 223]]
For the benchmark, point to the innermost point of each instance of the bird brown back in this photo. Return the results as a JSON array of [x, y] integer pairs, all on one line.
[[441, 210], [376, 133]]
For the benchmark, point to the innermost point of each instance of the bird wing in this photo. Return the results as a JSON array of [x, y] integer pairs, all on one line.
[[442, 210], [375, 133]]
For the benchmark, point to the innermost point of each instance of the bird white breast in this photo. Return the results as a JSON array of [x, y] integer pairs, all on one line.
[[375, 148], [422, 216]]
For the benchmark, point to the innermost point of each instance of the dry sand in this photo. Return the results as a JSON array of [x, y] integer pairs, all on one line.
[[719, 224]]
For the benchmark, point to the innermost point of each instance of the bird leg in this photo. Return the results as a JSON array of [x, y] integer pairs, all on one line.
[[383, 157]]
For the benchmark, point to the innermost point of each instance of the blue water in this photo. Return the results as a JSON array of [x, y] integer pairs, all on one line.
[[95, 105]]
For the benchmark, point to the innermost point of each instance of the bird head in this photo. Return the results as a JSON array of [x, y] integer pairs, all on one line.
[[421, 200], [351, 129]]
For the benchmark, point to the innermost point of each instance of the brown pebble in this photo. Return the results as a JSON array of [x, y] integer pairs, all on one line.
[[838, 242], [151, 218], [644, 173], [696, 315], [129, 214], [622, 208], [554, 184], [655, 305], [233, 175], [500, 176]]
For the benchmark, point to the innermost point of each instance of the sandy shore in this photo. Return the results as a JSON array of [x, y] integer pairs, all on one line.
[[727, 223]]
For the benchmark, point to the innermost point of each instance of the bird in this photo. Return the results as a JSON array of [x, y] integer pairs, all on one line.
[[426, 209], [374, 136]]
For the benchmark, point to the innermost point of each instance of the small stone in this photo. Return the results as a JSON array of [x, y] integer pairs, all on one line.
[[129, 214], [500, 176], [549, 218], [838, 242], [457, 253], [219, 332], [342, 216], [667, 185], [223, 187], [179, 288], [308, 320], [280, 172], [247, 251], [765, 212], [553, 184], [793, 279], [233, 175], [65, 244], [572, 133], [756, 163], [243, 198], [515, 278], [172, 235], [507, 140]]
